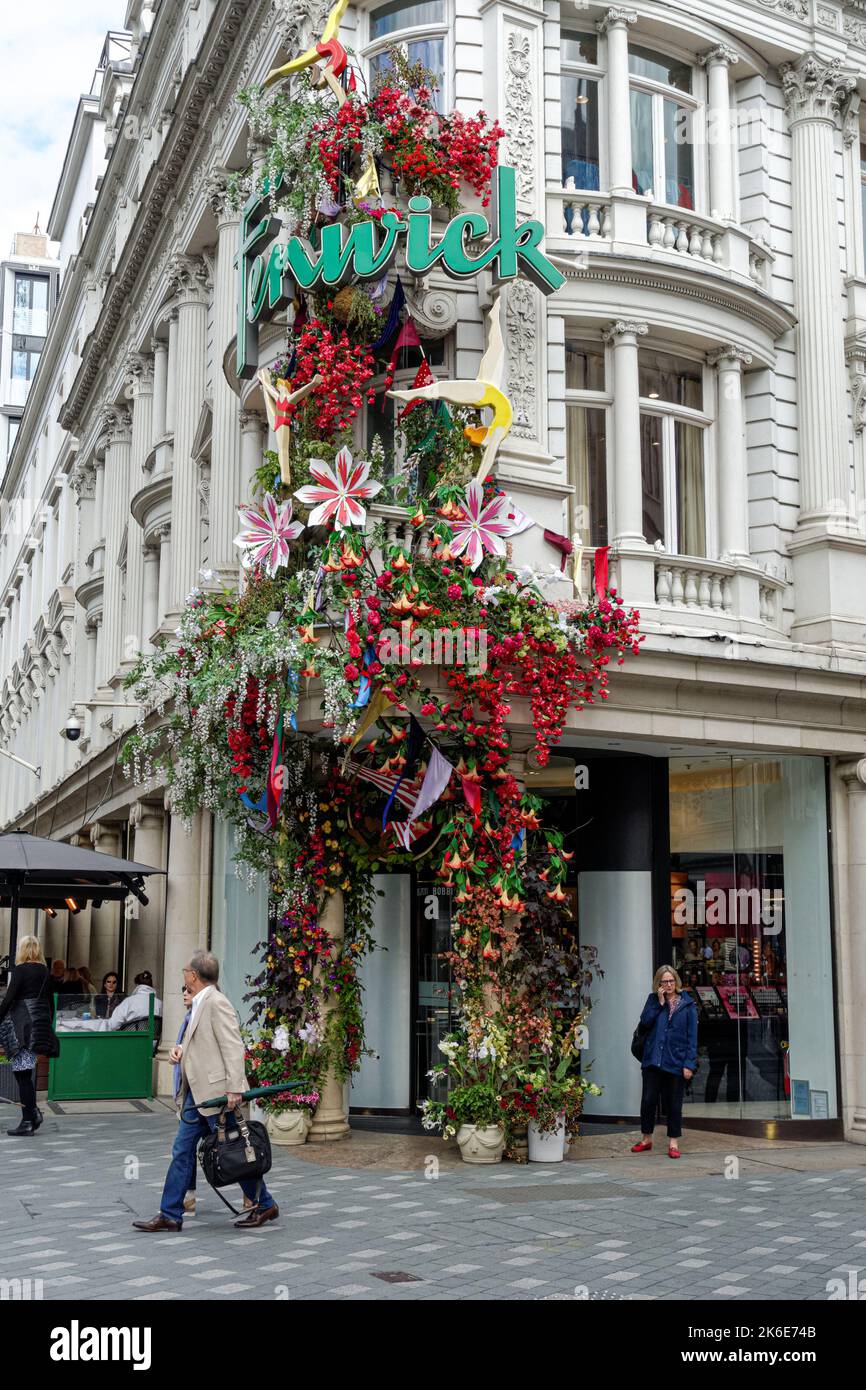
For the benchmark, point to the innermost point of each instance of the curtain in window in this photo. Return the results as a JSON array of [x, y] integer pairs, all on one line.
[[652, 477], [691, 491], [679, 161], [587, 472], [643, 172]]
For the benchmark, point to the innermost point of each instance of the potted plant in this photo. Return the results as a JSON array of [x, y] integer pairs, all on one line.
[[551, 1092], [271, 1060], [473, 1112]]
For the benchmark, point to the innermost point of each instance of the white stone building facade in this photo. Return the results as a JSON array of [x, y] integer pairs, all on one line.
[[694, 398]]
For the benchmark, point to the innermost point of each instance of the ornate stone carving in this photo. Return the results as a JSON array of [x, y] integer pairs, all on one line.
[[622, 328], [730, 352], [188, 277], [216, 188], [815, 89], [720, 54], [797, 9], [827, 17], [519, 115], [138, 370], [82, 479], [521, 334], [115, 422], [204, 490], [300, 22], [616, 15], [855, 29], [434, 311], [857, 369]]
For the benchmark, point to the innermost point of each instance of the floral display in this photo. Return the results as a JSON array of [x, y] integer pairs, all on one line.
[[365, 684]]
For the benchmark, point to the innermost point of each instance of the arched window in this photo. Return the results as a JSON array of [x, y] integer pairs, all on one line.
[[418, 26]]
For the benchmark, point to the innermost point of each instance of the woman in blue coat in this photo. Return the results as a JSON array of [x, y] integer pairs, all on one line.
[[670, 1056]]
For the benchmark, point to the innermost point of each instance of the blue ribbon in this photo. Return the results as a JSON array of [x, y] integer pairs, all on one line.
[[398, 302], [366, 686], [292, 684], [517, 840]]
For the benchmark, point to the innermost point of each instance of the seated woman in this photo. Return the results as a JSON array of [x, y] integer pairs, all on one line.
[[109, 995]]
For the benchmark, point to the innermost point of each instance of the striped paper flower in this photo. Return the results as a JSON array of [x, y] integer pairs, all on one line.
[[478, 528], [337, 493], [265, 539]]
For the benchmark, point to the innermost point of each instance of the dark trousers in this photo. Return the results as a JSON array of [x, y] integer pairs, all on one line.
[[664, 1084], [26, 1093]]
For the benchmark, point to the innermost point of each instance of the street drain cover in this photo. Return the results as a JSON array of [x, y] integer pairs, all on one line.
[[397, 1276], [552, 1192]]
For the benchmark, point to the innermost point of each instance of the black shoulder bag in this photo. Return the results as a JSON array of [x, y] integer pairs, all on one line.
[[638, 1040], [231, 1155]]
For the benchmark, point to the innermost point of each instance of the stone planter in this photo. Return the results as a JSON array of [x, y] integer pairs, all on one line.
[[547, 1148], [291, 1127], [481, 1144]]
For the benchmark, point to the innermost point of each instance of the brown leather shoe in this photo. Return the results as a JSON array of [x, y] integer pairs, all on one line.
[[157, 1223], [258, 1218]]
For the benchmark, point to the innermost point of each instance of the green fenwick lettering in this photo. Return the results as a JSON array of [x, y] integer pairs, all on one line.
[[366, 250]]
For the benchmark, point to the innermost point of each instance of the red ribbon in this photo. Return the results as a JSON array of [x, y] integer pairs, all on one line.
[[602, 556], [560, 543]]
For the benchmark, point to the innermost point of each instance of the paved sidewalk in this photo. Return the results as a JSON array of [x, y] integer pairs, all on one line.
[[369, 1219]]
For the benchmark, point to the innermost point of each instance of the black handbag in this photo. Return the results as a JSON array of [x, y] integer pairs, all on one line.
[[230, 1155], [638, 1040], [9, 1044]]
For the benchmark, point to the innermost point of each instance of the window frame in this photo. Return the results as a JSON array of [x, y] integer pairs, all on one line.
[[696, 102], [577, 336], [403, 378], [670, 414], [370, 48], [594, 72]]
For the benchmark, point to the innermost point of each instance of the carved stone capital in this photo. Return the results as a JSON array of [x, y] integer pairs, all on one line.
[[188, 278], [853, 774], [614, 16], [814, 89], [115, 422], [82, 479], [729, 353], [857, 369], [138, 370], [626, 328], [250, 420], [217, 193], [718, 55], [146, 815]]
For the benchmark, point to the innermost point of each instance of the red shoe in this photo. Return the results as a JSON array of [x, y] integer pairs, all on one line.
[[641, 1147], [674, 1153]]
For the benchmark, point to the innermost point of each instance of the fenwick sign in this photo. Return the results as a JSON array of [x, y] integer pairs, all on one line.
[[270, 272]]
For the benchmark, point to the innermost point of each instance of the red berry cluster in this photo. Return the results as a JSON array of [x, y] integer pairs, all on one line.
[[245, 734], [345, 369]]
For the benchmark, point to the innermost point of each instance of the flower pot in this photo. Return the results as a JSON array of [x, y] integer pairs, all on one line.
[[290, 1127], [547, 1148], [481, 1143]]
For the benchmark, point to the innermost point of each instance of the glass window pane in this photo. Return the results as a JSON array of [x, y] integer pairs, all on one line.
[[679, 161], [676, 380], [584, 367], [645, 62], [587, 472], [691, 490], [643, 171], [399, 15], [580, 132], [579, 48], [652, 478], [429, 52]]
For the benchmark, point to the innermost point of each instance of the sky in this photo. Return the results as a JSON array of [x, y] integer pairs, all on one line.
[[49, 53]]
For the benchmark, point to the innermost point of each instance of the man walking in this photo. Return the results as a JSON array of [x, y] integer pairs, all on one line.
[[211, 1059]]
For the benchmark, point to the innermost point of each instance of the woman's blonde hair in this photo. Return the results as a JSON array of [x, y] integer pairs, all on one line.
[[29, 951], [663, 970]]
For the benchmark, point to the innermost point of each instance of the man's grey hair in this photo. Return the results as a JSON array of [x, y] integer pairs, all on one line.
[[206, 966]]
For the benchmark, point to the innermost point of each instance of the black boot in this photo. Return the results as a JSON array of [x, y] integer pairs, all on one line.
[[25, 1127], [38, 1118]]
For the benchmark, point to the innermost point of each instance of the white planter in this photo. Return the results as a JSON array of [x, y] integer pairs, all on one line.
[[547, 1148], [481, 1145], [291, 1127]]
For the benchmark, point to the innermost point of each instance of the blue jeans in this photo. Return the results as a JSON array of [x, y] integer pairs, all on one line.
[[181, 1171]]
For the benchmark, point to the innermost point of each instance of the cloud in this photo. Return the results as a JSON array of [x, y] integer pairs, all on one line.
[[50, 53]]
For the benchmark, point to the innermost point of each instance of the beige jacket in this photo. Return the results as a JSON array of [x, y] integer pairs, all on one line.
[[213, 1051]]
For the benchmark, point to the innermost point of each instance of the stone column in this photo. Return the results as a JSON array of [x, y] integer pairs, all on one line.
[[719, 134], [732, 480], [331, 1118], [615, 25], [815, 92], [150, 595], [171, 374], [225, 462], [163, 599], [160, 390], [183, 930], [851, 952], [141, 389], [628, 487], [78, 948], [99, 516], [104, 920], [144, 949], [188, 277], [117, 422], [252, 450]]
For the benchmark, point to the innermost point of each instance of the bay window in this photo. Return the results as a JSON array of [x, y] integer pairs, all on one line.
[[420, 27], [673, 467], [586, 440], [380, 419], [580, 111], [663, 110]]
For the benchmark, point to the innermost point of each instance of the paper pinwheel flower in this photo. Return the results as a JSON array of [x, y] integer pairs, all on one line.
[[265, 541], [479, 528], [338, 492]]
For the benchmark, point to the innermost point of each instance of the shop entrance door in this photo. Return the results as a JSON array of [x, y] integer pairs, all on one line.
[[436, 995], [383, 1082]]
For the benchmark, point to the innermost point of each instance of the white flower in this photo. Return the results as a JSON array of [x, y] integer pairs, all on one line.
[[308, 1034], [450, 1049], [281, 1039]]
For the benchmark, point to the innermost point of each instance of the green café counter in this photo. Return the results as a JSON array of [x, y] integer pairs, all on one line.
[[97, 1062]]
